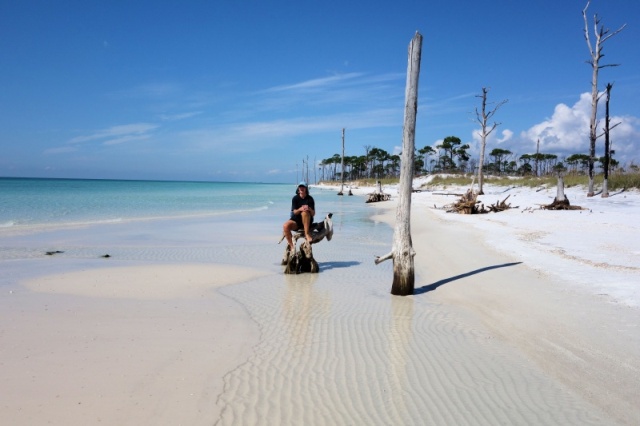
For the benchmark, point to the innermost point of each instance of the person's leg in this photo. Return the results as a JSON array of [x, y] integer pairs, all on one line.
[[306, 223], [287, 228]]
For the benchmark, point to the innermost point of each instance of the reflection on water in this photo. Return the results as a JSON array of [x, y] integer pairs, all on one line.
[[302, 304], [400, 336]]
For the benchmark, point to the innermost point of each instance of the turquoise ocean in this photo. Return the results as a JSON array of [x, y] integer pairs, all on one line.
[[154, 220], [26, 202], [35, 202]]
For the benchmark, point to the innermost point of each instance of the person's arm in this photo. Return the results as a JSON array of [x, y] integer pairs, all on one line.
[[295, 206], [312, 207]]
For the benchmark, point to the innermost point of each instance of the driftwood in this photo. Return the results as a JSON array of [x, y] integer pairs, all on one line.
[[378, 195], [500, 206], [375, 197], [469, 204], [302, 260]]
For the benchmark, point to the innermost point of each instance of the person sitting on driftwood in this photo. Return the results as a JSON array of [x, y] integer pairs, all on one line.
[[302, 213]]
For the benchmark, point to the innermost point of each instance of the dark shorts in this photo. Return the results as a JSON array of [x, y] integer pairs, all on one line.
[[298, 220]]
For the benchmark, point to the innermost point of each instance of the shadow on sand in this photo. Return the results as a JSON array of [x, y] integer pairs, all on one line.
[[335, 265], [431, 287]]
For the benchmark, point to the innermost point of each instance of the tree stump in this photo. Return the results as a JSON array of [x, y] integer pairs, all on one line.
[[561, 205], [378, 195], [302, 260]]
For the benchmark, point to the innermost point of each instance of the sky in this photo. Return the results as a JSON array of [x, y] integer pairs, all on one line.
[[252, 91]]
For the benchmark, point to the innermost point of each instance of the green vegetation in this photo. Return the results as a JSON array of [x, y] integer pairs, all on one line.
[[617, 181], [503, 167]]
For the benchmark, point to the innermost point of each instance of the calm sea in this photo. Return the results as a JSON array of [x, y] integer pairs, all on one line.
[[26, 203]]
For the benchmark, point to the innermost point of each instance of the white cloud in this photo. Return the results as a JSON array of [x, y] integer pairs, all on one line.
[[506, 136], [566, 132], [136, 129], [123, 139], [316, 83]]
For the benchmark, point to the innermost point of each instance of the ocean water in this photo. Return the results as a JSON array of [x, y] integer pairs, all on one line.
[[51, 202], [161, 221]]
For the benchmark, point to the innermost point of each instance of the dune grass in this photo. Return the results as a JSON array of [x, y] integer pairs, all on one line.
[[616, 181]]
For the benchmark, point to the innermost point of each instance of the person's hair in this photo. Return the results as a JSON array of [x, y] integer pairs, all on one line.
[[298, 189]]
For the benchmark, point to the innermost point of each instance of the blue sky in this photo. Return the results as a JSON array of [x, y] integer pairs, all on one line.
[[245, 90]]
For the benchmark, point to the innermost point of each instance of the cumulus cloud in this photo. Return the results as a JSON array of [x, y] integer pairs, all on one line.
[[566, 132]]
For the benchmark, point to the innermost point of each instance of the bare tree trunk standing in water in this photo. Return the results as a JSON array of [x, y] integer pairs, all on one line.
[[482, 118], [402, 252], [601, 35]]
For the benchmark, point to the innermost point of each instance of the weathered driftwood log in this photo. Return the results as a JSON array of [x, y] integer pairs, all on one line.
[[301, 260]]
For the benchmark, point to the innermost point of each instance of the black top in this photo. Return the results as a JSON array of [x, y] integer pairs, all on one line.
[[297, 202]]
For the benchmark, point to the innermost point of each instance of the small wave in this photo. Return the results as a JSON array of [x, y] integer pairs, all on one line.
[[8, 224]]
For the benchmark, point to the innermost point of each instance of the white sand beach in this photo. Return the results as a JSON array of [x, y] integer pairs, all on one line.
[[520, 317]]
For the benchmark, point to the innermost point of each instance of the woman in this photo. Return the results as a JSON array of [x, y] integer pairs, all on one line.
[[302, 212]]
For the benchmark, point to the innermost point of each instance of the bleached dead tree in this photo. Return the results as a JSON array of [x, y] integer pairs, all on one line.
[[601, 35], [402, 251], [560, 197], [483, 118]]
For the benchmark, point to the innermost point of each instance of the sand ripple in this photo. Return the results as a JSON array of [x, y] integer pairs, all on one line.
[[335, 348]]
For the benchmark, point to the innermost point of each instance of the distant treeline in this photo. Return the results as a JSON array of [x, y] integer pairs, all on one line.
[[451, 156]]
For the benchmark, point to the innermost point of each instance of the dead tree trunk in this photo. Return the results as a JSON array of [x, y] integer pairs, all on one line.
[[560, 197], [342, 174], [402, 251], [601, 34], [483, 118], [607, 145]]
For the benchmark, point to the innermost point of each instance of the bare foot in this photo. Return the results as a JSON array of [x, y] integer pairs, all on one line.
[[309, 238]]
